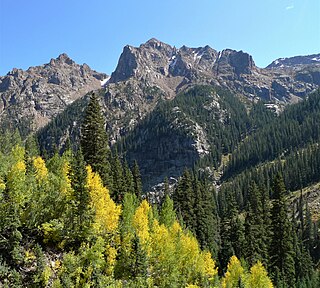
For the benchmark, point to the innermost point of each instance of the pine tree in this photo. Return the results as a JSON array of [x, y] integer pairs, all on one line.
[[206, 217], [255, 228], [94, 141], [83, 212], [137, 180], [167, 214], [166, 188], [118, 179], [184, 200], [128, 179], [281, 249]]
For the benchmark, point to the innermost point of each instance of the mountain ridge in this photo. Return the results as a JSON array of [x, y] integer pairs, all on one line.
[[33, 97]]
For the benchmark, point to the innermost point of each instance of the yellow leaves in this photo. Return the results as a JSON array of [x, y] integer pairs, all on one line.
[[2, 185], [107, 213], [111, 258], [234, 273], [258, 277], [66, 183], [21, 166], [209, 266], [16, 182], [141, 221], [162, 242], [41, 169]]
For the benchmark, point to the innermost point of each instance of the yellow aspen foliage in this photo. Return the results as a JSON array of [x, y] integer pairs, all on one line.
[[163, 244], [189, 249], [107, 213], [258, 277], [234, 274], [16, 182], [111, 253], [41, 169], [66, 183], [176, 229], [141, 222], [208, 265], [2, 185]]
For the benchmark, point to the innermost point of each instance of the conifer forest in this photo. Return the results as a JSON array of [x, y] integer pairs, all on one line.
[[79, 215]]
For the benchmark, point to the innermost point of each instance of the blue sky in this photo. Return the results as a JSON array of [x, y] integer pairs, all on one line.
[[94, 32]]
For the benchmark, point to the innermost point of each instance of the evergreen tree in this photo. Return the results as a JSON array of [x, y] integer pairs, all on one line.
[[255, 228], [118, 179], [82, 211], [184, 200], [94, 141], [281, 249], [167, 214], [128, 179], [137, 180], [206, 216], [166, 188]]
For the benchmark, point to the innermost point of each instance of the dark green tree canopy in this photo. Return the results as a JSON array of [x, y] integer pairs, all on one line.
[[94, 141]]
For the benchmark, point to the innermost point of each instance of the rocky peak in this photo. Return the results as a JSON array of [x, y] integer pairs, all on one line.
[[31, 98], [234, 62], [64, 58]]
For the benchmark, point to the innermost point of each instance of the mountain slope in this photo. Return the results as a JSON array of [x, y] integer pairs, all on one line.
[[31, 98]]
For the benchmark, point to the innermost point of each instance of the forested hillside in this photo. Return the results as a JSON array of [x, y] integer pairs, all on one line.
[[81, 218], [61, 227]]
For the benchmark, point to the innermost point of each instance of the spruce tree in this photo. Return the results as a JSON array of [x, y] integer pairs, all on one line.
[[82, 212], [184, 200], [118, 179], [282, 266], [206, 217], [137, 179], [255, 228], [128, 179], [94, 141]]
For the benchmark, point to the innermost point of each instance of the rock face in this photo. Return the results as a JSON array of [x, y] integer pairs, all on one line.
[[31, 98], [171, 70], [295, 61]]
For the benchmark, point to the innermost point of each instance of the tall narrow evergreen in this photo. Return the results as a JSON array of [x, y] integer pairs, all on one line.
[[94, 141], [255, 228], [128, 179], [282, 266], [184, 200], [207, 231], [118, 179], [137, 179], [82, 212]]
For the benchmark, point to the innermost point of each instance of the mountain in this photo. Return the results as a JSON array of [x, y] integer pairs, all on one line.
[[172, 69], [146, 105], [155, 70], [295, 61], [31, 98]]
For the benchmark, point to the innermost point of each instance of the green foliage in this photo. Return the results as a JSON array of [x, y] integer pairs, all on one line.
[[281, 246], [167, 213], [94, 141]]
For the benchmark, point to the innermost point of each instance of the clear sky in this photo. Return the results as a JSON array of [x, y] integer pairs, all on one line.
[[95, 31]]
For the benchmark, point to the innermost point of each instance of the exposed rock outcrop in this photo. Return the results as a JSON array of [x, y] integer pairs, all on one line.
[[30, 99]]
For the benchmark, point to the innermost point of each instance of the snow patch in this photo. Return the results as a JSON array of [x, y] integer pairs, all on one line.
[[316, 59], [173, 62], [104, 81]]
